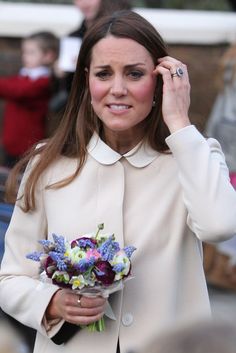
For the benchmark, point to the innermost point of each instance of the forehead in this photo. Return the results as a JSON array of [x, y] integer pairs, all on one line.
[[31, 44], [87, 3], [112, 49]]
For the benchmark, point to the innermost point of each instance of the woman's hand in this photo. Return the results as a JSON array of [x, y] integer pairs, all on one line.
[[71, 307], [176, 93]]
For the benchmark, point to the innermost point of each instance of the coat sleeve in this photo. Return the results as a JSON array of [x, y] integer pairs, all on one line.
[[20, 88], [208, 195], [22, 294]]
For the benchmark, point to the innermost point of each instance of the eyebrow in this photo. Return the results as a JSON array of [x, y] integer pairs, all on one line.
[[126, 66]]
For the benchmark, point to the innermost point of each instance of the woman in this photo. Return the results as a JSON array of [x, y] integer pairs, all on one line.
[[126, 155]]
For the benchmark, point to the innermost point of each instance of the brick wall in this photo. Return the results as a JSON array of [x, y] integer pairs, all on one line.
[[201, 60]]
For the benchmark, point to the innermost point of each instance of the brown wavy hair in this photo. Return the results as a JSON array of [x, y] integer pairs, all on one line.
[[79, 121]]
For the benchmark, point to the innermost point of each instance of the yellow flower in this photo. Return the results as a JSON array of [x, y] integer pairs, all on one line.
[[77, 282]]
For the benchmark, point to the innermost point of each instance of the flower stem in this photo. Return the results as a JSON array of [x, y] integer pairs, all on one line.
[[100, 227], [97, 326]]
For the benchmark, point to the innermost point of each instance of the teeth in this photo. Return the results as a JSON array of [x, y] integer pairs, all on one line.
[[119, 107]]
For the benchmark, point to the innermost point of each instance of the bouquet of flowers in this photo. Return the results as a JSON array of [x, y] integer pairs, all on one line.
[[91, 265]]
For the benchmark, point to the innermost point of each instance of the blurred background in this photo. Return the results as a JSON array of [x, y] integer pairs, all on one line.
[[197, 32]]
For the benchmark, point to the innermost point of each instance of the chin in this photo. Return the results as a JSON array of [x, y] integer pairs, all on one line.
[[118, 128]]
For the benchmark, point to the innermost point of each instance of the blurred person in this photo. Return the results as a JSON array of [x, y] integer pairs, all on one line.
[[91, 10], [10, 340], [194, 337], [220, 259], [107, 7], [127, 155], [154, 3], [27, 96], [232, 4], [221, 123]]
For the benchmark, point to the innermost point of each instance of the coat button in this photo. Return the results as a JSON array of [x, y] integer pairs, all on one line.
[[127, 319]]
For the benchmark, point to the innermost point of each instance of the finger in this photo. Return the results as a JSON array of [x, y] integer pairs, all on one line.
[[169, 72], [68, 298], [169, 58], [174, 68], [72, 299], [84, 320], [172, 64], [90, 302], [166, 75], [176, 88], [73, 311]]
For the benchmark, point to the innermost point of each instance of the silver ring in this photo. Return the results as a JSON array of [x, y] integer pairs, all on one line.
[[179, 72]]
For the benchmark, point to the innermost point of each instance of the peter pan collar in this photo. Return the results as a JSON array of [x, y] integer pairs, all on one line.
[[140, 156]]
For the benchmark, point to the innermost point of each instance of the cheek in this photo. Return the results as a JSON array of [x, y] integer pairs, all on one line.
[[144, 92], [97, 90]]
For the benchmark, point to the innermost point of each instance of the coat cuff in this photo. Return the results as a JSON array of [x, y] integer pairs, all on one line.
[[188, 136]]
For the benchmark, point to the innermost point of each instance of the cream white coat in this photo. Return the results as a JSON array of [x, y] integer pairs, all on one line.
[[163, 204]]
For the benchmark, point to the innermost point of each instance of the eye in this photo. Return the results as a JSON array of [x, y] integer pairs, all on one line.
[[135, 74], [103, 75]]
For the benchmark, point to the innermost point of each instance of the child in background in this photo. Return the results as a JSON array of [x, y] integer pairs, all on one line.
[[27, 96]]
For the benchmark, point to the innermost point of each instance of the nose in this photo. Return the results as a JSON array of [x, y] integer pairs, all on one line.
[[118, 87]]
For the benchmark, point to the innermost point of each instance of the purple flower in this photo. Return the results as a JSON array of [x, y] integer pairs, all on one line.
[[59, 259], [119, 267], [129, 250], [35, 256], [85, 264], [47, 245], [59, 243], [104, 273], [49, 266], [108, 249], [84, 242]]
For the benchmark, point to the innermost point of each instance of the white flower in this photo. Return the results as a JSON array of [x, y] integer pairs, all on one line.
[[77, 282]]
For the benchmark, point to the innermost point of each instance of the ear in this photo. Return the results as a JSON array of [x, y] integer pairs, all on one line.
[[49, 57]]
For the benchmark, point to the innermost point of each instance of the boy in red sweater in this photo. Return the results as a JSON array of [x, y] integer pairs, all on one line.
[[27, 96]]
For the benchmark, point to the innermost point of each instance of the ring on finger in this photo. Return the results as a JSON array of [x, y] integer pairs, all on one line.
[[79, 301], [178, 73]]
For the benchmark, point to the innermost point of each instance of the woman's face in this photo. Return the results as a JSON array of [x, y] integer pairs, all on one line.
[[89, 8], [122, 84]]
